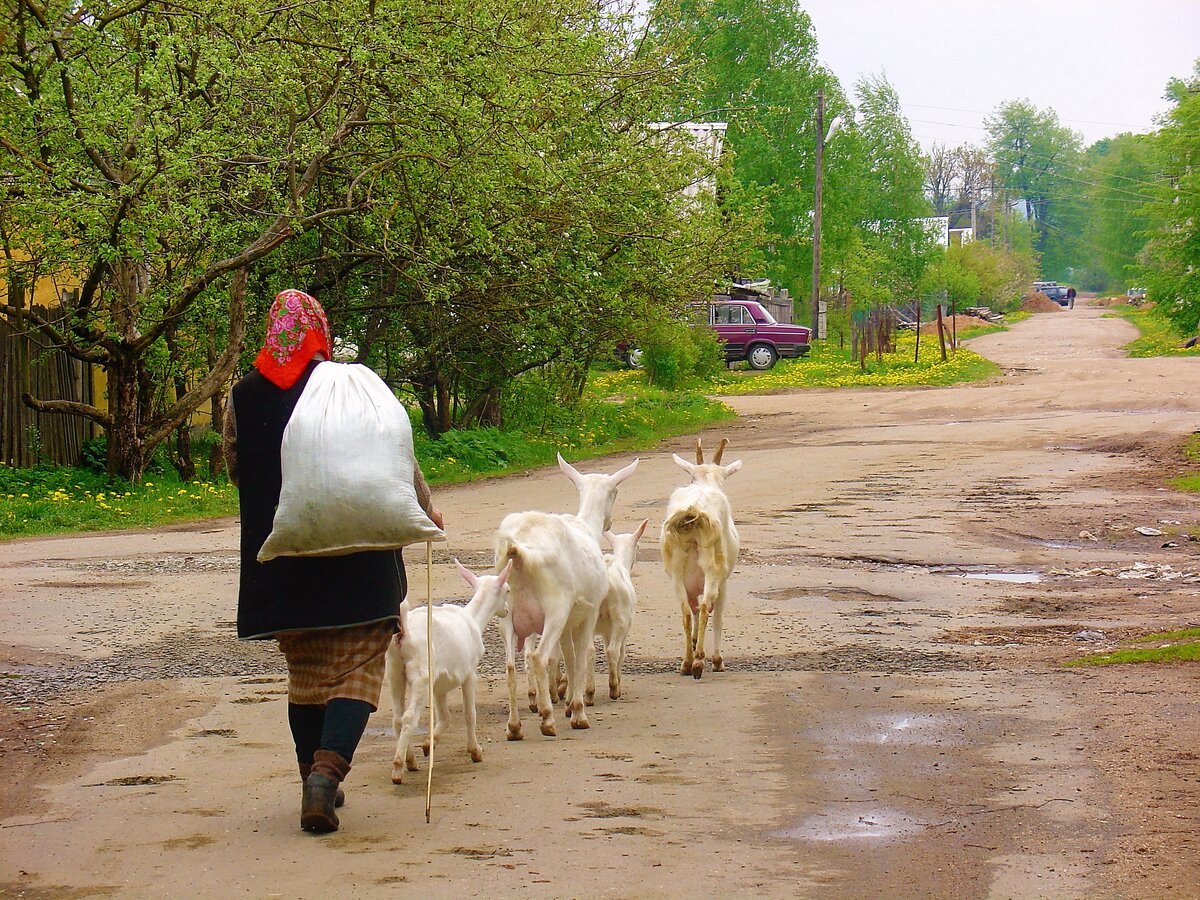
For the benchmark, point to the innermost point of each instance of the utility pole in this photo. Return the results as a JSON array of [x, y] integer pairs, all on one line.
[[992, 236], [816, 274]]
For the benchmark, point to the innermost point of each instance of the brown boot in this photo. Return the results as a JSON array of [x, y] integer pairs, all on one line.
[[320, 792], [339, 800]]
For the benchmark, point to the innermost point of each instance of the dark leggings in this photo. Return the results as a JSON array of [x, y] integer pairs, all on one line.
[[336, 726]]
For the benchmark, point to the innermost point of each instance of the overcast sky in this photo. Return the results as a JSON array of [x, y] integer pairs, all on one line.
[[1102, 65]]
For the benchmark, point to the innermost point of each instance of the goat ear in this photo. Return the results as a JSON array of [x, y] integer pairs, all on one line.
[[733, 467], [683, 463], [569, 470], [467, 575], [504, 573], [637, 535], [621, 474]]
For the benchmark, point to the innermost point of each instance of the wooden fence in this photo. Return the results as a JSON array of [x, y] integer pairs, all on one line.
[[28, 437]]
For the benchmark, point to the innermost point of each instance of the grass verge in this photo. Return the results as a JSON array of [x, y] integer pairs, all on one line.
[[619, 412], [52, 500], [1158, 335], [830, 367]]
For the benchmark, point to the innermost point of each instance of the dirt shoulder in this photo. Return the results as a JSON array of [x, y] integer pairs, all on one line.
[[895, 720]]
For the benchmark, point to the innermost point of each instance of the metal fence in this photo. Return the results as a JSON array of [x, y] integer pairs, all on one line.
[[27, 437]]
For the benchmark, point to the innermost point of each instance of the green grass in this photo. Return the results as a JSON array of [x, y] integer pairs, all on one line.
[[619, 412], [1175, 653], [51, 500], [1158, 335], [829, 367], [1183, 646], [1180, 634]]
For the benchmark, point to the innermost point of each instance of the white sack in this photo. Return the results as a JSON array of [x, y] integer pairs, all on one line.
[[347, 460]]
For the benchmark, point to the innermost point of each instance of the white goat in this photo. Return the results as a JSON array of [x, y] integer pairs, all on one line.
[[617, 611], [457, 651], [558, 583], [700, 547]]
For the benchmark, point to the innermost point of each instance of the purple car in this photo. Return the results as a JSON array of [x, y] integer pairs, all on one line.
[[751, 333]]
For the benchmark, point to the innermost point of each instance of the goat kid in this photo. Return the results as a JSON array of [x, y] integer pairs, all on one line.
[[597, 496], [616, 612], [558, 583], [700, 547], [457, 652]]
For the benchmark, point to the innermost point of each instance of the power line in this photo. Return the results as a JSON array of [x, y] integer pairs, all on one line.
[[985, 112]]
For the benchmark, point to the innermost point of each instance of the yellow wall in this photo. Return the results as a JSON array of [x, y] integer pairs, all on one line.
[[46, 294]]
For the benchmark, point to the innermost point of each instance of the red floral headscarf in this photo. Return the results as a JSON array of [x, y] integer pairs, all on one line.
[[296, 331]]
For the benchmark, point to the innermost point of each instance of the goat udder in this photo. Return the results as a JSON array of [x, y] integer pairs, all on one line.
[[527, 619]]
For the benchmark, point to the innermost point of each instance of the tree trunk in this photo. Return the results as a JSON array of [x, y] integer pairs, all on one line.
[[216, 459], [126, 454], [182, 459]]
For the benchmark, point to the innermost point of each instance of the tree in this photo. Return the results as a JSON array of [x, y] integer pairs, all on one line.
[[472, 192], [1171, 265], [155, 154], [889, 200], [1037, 162], [754, 64], [557, 220], [941, 179], [1119, 171]]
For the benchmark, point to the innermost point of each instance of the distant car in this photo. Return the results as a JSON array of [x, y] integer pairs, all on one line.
[[1136, 293], [1052, 289], [748, 330], [751, 333]]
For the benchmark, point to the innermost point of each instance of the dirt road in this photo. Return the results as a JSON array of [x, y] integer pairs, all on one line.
[[894, 722]]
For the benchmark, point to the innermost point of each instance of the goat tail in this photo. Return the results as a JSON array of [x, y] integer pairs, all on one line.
[[507, 551], [686, 520]]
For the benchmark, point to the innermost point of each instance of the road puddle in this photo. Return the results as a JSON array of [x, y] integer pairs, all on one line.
[[1010, 577], [848, 822], [903, 728]]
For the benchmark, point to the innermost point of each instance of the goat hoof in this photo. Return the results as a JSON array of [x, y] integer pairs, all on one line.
[[614, 693], [686, 668], [424, 749], [549, 730], [476, 754], [698, 669], [590, 700], [514, 734], [580, 722], [718, 664], [533, 707], [411, 763], [397, 775]]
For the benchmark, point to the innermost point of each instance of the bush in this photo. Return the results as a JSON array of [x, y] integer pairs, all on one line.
[[676, 353]]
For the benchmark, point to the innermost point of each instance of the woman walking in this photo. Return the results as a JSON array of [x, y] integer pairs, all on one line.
[[333, 616]]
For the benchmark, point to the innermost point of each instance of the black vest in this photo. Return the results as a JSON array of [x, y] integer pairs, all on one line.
[[294, 592]]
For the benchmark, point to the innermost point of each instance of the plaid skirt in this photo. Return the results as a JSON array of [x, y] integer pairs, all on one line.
[[324, 663]]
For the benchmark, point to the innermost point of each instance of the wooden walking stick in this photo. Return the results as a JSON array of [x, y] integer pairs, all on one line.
[[429, 657]]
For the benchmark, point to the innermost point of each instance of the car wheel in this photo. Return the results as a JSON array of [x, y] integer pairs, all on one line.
[[761, 357], [634, 358]]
